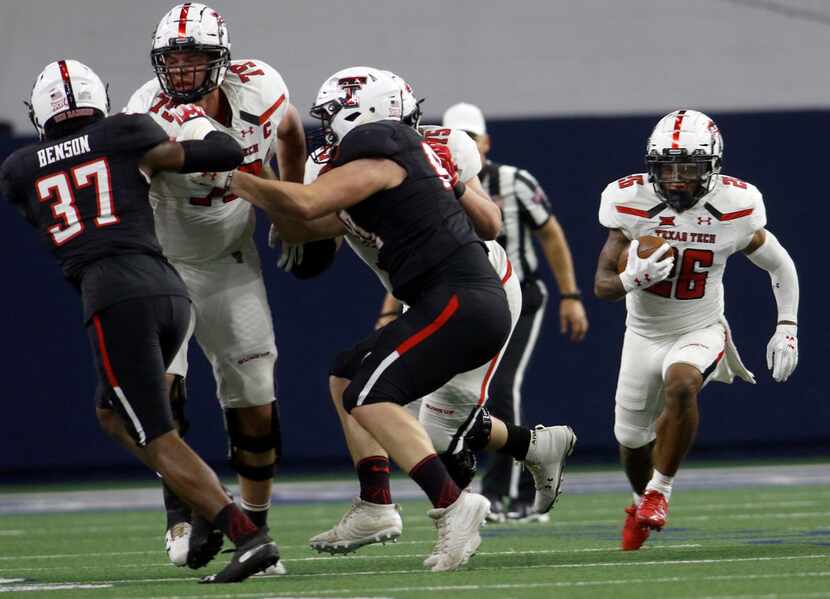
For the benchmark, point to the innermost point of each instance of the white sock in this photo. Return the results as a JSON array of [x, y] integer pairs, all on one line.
[[660, 482], [255, 507], [637, 498]]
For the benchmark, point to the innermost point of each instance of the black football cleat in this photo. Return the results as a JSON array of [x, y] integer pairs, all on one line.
[[205, 542], [253, 556]]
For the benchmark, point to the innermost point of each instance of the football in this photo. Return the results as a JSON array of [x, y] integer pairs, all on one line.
[[648, 244]]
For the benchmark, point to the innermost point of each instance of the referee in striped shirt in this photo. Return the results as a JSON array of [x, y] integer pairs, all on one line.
[[526, 214]]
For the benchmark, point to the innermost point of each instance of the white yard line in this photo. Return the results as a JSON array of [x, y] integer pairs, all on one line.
[[531, 585], [479, 568]]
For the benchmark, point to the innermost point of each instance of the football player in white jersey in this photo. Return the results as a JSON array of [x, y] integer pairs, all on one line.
[[677, 338], [206, 233], [453, 416]]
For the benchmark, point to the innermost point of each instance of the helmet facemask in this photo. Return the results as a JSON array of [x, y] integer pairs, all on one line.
[[681, 179], [324, 138], [189, 80]]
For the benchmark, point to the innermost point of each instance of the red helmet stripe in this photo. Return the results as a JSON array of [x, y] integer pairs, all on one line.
[[675, 137], [183, 20], [67, 84]]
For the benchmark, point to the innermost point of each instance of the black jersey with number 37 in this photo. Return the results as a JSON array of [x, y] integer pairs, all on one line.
[[419, 223], [87, 197]]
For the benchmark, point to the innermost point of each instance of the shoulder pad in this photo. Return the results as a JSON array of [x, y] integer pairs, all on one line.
[[737, 201], [259, 91], [465, 153], [143, 97], [627, 200], [138, 132], [372, 140], [7, 175], [463, 149]]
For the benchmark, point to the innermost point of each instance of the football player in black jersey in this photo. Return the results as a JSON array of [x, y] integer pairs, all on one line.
[[85, 187], [390, 189]]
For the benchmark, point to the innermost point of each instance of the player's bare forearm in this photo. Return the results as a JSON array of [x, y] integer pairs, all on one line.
[[607, 283], [291, 150], [558, 254], [335, 190], [483, 212], [277, 198]]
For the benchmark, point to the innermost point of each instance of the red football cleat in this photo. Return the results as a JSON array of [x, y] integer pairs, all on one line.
[[653, 510], [633, 535]]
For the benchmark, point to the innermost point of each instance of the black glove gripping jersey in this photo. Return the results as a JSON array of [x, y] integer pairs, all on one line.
[[416, 225], [86, 195]]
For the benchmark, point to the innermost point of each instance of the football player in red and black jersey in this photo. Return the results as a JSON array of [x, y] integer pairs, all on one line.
[[85, 188], [391, 191]]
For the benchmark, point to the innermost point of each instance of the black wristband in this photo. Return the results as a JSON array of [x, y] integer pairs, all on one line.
[[216, 153], [576, 295], [459, 188]]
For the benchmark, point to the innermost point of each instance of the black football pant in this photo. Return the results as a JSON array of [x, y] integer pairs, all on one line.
[[504, 477], [133, 342]]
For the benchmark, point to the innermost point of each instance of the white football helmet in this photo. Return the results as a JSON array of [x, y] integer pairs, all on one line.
[[684, 155], [191, 27], [355, 96], [66, 89], [411, 106]]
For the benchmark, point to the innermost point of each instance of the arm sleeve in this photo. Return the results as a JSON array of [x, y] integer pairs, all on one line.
[[532, 199], [217, 152], [774, 259]]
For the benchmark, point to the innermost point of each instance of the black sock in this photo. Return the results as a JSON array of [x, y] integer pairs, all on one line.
[[432, 476], [518, 442], [258, 514], [373, 473], [236, 525], [177, 510]]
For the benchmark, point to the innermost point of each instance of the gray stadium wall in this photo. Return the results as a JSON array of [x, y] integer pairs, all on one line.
[[48, 422]]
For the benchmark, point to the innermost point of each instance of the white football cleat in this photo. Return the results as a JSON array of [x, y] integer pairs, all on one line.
[[277, 569], [458, 526], [549, 446], [177, 542], [365, 523]]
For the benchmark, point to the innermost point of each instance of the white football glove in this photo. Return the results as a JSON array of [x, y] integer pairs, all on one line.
[[273, 236], [641, 273], [291, 256], [782, 352]]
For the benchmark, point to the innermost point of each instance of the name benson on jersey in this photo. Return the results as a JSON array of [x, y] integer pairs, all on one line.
[[62, 151]]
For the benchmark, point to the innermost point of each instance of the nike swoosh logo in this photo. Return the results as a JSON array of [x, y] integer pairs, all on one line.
[[247, 555]]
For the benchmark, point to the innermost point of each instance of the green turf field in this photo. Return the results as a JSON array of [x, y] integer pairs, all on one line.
[[765, 542]]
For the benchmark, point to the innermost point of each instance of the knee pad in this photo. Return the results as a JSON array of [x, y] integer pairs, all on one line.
[[479, 434], [633, 437], [238, 441], [178, 397], [461, 466]]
